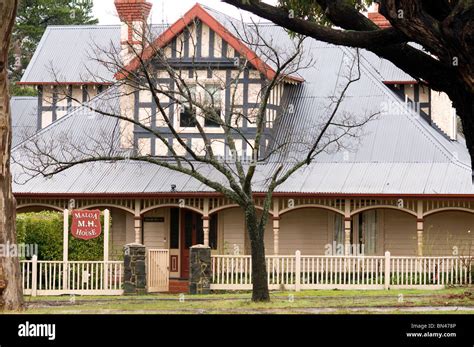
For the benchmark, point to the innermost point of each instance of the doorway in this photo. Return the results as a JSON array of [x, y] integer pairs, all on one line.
[[191, 234]]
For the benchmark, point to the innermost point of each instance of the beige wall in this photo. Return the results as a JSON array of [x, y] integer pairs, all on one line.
[[305, 230], [399, 232], [448, 232], [122, 231], [231, 231], [443, 113]]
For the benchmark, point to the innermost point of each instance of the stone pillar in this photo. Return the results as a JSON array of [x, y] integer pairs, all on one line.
[[134, 280], [419, 236], [276, 235], [205, 229], [199, 269]]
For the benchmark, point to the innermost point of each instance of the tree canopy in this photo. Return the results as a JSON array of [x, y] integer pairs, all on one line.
[[33, 17]]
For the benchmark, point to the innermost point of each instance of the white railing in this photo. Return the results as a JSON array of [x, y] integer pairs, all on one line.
[[73, 277], [409, 272], [296, 272]]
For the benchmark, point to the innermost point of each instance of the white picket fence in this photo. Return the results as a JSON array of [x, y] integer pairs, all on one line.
[[296, 272], [73, 277]]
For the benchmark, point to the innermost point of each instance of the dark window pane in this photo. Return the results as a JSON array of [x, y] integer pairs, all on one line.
[[208, 122], [213, 232], [174, 228], [187, 118], [213, 97], [199, 230]]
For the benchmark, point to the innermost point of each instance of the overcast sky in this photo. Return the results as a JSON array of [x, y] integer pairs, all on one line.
[[164, 10]]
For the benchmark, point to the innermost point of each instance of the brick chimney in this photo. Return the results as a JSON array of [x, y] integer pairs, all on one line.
[[378, 19], [133, 14]]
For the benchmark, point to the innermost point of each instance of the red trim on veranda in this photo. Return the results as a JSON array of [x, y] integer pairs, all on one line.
[[401, 82], [257, 195], [198, 12], [64, 83]]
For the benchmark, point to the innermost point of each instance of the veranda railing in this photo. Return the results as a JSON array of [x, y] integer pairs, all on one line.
[[296, 272], [72, 277]]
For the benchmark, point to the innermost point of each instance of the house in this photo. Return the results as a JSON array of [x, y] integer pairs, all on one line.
[[405, 185]]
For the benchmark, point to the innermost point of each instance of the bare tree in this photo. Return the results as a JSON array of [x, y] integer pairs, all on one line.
[[236, 175], [442, 30], [12, 295]]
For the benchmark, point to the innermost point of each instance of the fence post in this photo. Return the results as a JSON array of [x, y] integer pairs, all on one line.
[[66, 250], [34, 275], [387, 270], [298, 271], [106, 248]]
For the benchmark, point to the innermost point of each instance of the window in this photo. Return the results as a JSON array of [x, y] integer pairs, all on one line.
[[338, 229], [213, 99], [367, 232], [213, 231], [174, 228], [187, 114]]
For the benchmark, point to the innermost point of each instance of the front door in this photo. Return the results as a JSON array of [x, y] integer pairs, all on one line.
[[191, 234]]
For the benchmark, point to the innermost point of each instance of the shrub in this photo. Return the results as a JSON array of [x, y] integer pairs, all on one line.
[[46, 230]]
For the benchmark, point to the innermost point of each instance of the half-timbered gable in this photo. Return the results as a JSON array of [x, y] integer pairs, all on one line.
[[219, 70]]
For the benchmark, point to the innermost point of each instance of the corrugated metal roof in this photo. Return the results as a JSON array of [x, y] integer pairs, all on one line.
[[396, 153], [69, 53], [385, 69], [24, 116], [51, 62]]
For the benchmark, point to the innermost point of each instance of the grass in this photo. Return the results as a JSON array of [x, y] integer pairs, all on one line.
[[305, 302]]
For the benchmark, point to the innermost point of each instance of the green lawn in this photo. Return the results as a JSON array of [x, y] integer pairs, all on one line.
[[456, 300]]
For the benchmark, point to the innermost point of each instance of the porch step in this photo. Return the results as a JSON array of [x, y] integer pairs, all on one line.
[[179, 286]]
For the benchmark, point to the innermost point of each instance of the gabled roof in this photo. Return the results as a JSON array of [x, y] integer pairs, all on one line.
[[397, 154], [70, 64], [198, 12], [69, 51]]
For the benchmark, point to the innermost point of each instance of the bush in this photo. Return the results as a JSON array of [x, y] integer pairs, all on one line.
[[46, 230]]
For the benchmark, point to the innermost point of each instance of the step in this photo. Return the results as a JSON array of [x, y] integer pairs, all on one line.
[[178, 286]]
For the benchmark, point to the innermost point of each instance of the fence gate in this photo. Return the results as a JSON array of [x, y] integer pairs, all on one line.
[[158, 270]]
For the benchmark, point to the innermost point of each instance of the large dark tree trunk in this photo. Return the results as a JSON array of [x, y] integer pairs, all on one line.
[[464, 103], [12, 295], [259, 271]]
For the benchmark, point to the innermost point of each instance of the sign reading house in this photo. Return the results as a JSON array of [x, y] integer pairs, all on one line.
[[86, 224]]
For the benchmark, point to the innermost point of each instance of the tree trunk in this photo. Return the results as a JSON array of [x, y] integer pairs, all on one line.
[[464, 105], [259, 271], [13, 294]]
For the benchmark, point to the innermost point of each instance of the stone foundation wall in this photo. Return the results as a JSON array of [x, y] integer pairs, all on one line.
[[134, 269]]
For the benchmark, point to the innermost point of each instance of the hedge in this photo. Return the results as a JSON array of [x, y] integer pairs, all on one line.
[[46, 230]]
